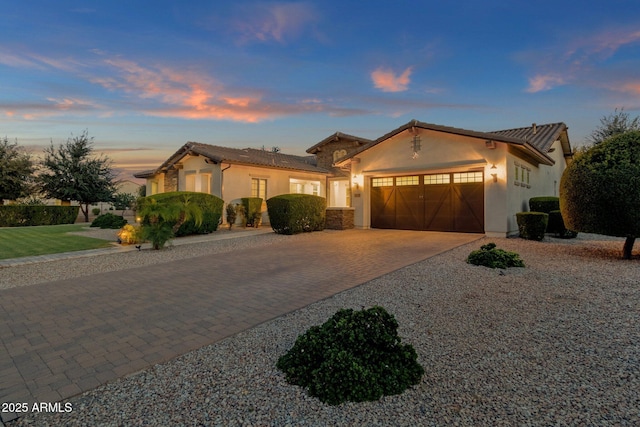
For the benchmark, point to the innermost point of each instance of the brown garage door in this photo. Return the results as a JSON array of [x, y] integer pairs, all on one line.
[[434, 202]]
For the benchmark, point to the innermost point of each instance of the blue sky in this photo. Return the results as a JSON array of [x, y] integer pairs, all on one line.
[[144, 77]]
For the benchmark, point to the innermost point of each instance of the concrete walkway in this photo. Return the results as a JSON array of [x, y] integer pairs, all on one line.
[[62, 338]]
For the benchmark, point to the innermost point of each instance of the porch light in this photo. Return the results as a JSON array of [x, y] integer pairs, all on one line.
[[357, 181], [494, 173]]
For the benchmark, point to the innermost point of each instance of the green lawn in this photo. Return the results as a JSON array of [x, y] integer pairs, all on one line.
[[18, 242]]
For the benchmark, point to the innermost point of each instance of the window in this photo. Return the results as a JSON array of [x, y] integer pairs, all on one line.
[[522, 175], [466, 177], [441, 178], [301, 186], [382, 182], [408, 180], [259, 188], [190, 182], [205, 183]]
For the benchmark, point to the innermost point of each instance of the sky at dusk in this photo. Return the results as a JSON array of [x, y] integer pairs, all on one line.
[[144, 77]]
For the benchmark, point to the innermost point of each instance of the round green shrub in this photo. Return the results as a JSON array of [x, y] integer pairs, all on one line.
[[599, 189], [532, 225], [354, 356], [492, 257], [297, 213], [109, 220]]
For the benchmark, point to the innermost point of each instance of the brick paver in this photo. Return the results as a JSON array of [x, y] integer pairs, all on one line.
[[65, 337]]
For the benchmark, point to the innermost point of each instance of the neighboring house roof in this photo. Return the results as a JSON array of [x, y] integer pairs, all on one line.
[[537, 146], [337, 136], [245, 156], [145, 174]]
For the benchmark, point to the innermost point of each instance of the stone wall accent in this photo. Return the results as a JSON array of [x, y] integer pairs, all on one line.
[[339, 218], [171, 180]]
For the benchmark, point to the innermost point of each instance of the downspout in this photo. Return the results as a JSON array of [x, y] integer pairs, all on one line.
[[222, 180]]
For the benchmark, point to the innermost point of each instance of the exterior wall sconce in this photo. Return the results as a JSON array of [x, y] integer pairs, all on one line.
[[357, 181], [494, 173]]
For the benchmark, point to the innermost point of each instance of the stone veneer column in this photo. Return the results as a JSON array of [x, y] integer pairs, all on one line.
[[339, 218]]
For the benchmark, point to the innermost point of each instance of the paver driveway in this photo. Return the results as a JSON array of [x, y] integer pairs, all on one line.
[[65, 337]]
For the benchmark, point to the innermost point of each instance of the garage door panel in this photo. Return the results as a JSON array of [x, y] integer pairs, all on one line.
[[438, 209], [383, 207], [409, 208], [468, 205]]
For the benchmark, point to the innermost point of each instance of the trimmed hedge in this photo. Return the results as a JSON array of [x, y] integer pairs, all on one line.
[[532, 225], [109, 220], [557, 227], [211, 210], [544, 204], [296, 213], [354, 356], [551, 205], [30, 215]]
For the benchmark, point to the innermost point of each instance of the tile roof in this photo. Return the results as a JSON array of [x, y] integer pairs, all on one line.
[[247, 156], [335, 137], [536, 144], [540, 136]]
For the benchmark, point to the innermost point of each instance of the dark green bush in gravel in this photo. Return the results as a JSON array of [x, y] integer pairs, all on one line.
[[532, 225], [354, 356], [490, 256]]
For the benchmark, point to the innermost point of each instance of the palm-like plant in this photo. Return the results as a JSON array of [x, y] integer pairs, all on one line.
[[161, 220], [187, 210]]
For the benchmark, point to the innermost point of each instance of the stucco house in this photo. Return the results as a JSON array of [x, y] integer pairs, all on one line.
[[420, 176], [232, 173]]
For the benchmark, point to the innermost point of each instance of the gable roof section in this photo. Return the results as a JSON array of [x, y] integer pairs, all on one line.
[[245, 156], [336, 136], [537, 147], [540, 136]]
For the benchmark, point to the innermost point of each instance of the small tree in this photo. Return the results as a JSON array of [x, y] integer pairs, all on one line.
[[72, 172], [600, 190], [614, 124], [16, 170], [123, 201]]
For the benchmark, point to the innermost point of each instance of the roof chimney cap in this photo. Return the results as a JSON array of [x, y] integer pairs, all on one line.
[[534, 128]]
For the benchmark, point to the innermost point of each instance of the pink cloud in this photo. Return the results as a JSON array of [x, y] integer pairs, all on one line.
[[387, 81], [580, 60], [51, 108], [602, 45], [275, 21], [542, 83], [159, 90]]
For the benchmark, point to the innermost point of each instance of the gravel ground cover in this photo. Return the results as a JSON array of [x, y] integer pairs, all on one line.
[[554, 343]]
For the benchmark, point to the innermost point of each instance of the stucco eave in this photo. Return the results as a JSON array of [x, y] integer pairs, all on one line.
[[430, 167]]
